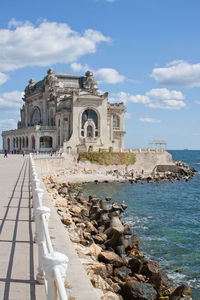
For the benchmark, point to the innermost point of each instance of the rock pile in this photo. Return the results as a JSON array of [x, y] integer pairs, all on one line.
[[108, 248], [178, 171]]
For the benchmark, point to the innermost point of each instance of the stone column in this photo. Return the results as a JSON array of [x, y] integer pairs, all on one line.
[[26, 115], [37, 142], [61, 130], [45, 113], [111, 127], [54, 137]]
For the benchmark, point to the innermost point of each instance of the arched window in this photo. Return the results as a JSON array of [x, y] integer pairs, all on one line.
[[89, 131], [88, 116], [17, 142], [36, 117], [116, 121], [13, 142], [46, 142]]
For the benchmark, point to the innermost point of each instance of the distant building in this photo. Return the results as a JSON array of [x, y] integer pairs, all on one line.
[[65, 111]]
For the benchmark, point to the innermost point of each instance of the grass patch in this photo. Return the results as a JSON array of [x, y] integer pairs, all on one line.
[[108, 158]]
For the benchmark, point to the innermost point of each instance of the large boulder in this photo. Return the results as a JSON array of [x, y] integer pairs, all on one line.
[[134, 242], [136, 264], [104, 284], [97, 269], [182, 292], [158, 279], [162, 284], [122, 272], [90, 228], [109, 257], [135, 290], [75, 210], [100, 238], [95, 250]]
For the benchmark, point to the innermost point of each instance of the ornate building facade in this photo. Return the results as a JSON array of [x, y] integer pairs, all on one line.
[[65, 111]]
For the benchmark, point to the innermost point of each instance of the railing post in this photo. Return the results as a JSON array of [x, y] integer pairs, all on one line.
[[40, 240], [37, 203], [54, 261]]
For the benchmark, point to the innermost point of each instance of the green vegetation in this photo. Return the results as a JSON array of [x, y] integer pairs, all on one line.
[[108, 158]]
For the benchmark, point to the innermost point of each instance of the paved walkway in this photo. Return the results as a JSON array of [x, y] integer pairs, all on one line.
[[18, 253]]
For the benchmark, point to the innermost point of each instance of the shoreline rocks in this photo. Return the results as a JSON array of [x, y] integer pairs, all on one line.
[[98, 173], [108, 249]]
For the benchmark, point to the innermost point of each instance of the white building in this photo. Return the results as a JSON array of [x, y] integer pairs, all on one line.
[[66, 111]]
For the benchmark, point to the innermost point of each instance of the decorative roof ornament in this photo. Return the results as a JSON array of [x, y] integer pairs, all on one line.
[[30, 87], [51, 79], [32, 82], [50, 72], [51, 75], [89, 83]]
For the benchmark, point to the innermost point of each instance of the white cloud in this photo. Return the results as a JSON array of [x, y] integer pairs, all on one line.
[[108, 75], [7, 124], [139, 99], [11, 102], [155, 98], [126, 97], [166, 99], [174, 62], [119, 97], [103, 75], [45, 44], [77, 67], [197, 102], [178, 73], [164, 93], [3, 78], [168, 104], [149, 120]]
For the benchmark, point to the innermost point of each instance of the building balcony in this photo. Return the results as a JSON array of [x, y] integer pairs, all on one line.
[[41, 128]]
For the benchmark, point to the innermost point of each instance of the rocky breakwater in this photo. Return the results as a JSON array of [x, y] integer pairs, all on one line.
[[178, 171], [109, 250]]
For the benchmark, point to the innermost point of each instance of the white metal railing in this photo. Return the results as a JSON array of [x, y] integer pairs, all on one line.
[[52, 266], [145, 150], [48, 155]]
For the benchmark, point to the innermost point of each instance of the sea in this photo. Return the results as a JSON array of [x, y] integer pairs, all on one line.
[[166, 216]]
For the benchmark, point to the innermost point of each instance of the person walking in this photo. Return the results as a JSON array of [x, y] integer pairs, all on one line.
[[5, 153]]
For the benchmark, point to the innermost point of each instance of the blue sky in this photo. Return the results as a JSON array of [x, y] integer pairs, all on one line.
[[143, 52]]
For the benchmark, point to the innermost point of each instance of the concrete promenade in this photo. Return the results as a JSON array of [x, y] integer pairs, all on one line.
[[18, 253]]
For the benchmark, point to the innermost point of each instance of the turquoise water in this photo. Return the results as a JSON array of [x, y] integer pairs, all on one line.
[[166, 216]]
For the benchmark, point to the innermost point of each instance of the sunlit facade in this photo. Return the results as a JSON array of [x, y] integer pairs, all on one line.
[[66, 111]]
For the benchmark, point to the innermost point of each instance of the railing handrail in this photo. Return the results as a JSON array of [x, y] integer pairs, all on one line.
[[46, 234], [52, 265]]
